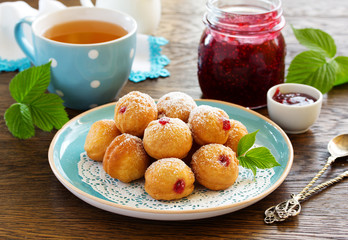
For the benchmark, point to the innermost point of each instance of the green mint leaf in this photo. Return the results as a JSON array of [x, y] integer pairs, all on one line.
[[18, 121], [311, 68], [244, 162], [316, 40], [48, 112], [262, 158], [31, 83], [34, 107], [258, 157], [342, 70], [245, 143]]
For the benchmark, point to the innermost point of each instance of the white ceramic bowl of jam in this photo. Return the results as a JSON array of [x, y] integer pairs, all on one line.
[[294, 107]]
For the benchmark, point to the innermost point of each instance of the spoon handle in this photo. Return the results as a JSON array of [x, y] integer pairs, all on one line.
[[324, 185], [292, 207], [330, 160]]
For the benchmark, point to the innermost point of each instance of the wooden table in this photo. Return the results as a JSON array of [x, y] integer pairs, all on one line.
[[35, 205]]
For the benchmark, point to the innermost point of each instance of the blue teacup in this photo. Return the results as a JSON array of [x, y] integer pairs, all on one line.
[[83, 75]]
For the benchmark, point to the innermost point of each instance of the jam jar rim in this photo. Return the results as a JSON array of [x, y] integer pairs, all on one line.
[[210, 5], [234, 29]]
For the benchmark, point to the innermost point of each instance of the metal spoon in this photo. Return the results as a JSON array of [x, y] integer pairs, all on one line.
[[337, 147]]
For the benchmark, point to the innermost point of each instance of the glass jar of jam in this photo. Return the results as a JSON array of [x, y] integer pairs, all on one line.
[[242, 51]]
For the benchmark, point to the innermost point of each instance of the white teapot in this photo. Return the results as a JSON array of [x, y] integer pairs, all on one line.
[[147, 13]]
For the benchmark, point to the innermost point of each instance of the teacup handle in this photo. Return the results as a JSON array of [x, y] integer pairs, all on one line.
[[22, 41], [86, 3]]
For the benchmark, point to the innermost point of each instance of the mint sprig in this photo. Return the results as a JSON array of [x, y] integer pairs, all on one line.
[[316, 40], [258, 157], [319, 67], [34, 107]]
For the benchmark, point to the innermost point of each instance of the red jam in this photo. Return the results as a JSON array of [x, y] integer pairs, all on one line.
[[293, 98], [179, 186], [224, 160], [123, 109], [240, 57], [226, 124], [164, 120]]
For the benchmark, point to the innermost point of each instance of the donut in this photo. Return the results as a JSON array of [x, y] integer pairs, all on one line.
[[99, 137], [125, 158], [209, 125], [176, 105], [169, 179], [215, 166], [167, 137], [238, 130], [133, 112]]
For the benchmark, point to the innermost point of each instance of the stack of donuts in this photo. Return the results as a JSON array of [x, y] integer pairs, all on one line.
[[172, 144]]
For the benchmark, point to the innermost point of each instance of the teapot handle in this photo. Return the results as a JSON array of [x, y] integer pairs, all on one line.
[[86, 3]]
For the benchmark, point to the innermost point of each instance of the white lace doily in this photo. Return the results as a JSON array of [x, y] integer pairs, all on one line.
[[134, 195]]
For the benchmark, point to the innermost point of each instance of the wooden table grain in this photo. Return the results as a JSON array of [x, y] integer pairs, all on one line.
[[35, 205]]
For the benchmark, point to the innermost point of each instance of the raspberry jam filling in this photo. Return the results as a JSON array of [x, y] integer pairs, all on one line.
[[226, 124], [179, 186], [293, 98], [164, 120], [123, 109], [224, 160]]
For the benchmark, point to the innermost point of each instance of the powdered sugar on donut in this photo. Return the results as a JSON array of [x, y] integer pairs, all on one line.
[[175, 165], [172, 138], [176, 105], [207, 125], [128, 139], [215, 166], [211, 152], [203, 112], [138, 110]]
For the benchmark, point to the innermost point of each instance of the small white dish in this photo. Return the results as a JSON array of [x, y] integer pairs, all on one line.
[[294, 119]]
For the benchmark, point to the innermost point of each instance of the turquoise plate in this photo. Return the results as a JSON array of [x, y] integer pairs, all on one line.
[[67, 146]]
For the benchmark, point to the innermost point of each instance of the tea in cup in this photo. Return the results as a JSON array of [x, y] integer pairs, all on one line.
[[91, 52]]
